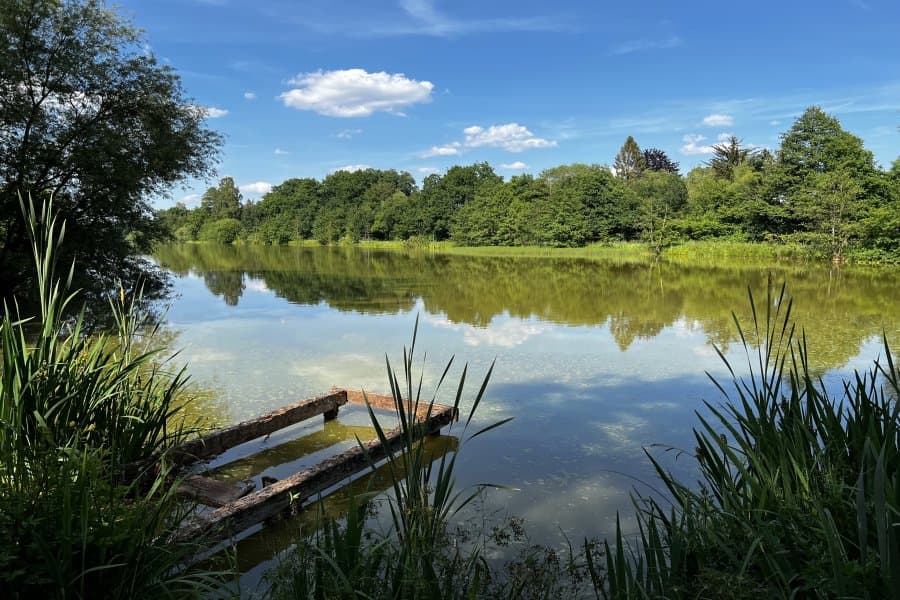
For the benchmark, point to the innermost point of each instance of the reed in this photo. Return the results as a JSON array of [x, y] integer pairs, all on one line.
[[799, 488], [75, 408]]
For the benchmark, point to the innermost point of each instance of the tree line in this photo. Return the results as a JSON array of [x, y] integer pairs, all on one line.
[[821, 188]]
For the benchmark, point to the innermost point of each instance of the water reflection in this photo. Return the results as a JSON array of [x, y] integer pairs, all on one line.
[[839, 308], [595, 359]]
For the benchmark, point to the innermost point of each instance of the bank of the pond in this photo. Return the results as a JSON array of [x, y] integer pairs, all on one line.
[[690, 252]]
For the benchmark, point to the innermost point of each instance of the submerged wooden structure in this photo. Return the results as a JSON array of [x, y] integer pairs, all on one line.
[[237, 507]]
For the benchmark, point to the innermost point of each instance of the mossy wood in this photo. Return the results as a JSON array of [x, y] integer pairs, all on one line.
[[237, 509]]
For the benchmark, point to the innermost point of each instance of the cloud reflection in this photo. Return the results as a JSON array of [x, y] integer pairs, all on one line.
[[502, 332]]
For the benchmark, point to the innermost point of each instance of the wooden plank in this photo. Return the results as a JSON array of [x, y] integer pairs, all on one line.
[[212, 492], [219, 441], [294, 490], [383, 401]]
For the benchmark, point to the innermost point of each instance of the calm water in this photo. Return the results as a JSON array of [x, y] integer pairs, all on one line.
[[595, 359]]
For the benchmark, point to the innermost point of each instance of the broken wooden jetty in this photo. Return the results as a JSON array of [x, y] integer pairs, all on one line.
[[237, 507]]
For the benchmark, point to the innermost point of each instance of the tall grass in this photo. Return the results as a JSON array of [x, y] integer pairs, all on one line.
[[799, 491], [418, 557], [74, 410]]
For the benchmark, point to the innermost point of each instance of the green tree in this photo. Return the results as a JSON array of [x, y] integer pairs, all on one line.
[[91, 117], [608, 205], [223, 201], [288, 210], [629, 163], [815, 144], [827, 180], [829, 203], [662, 197], [729, 155], [443, 196], [657, 160]]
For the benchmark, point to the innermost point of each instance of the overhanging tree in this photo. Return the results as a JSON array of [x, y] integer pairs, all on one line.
[[91, 118]]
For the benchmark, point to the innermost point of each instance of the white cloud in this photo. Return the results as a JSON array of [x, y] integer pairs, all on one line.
[[451, 149], [692, 145], [281, 152], [355, 92], [211, 112], [717, 120], [346, 134], [257, 187], [515, 166], [191, 199], [249, 95], [774, 122], [724, 137], [646, 44], [351, 168], [511, 137], [428, 170]]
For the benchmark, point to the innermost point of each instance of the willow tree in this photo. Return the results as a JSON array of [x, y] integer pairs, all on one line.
[[89, 116]]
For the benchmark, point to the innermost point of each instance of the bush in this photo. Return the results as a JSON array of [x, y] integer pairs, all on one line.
[[223, 231]]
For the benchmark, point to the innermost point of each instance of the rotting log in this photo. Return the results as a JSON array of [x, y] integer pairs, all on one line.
[[219, 441], [292, 491], [385, 402]]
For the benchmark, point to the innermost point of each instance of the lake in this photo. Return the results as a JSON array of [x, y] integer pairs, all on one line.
[[596, 359]]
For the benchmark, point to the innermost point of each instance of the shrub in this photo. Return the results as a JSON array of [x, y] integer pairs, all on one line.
[[223, 231]]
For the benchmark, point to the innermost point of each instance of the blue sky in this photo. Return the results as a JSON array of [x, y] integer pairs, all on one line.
[[303, 88]]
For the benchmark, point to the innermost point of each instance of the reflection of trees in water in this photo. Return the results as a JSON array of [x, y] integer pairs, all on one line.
[[839, 308], [228, 284]]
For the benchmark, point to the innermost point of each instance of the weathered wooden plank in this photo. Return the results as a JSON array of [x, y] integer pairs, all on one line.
[[221, 440], [294, 490], [383, 402], [212, 492]]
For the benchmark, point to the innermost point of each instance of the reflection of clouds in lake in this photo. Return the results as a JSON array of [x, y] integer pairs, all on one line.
[[576, 505], [255, 285], [706, 351], [620, 436], [503, 332], [356, 371], [683, 327]]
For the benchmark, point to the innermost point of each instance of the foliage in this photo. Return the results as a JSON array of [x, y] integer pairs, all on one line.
[[75, 412], [662, 196], [89, 116], [629, 163], [728, 156], [223, 231], [822, 190], [657, 160]]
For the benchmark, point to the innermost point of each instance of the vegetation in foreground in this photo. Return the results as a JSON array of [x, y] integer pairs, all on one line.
[[798, 497], [75, 411], [819, 195]]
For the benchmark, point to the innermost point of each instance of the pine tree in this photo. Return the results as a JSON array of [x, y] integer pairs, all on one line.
[[629, 163]]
